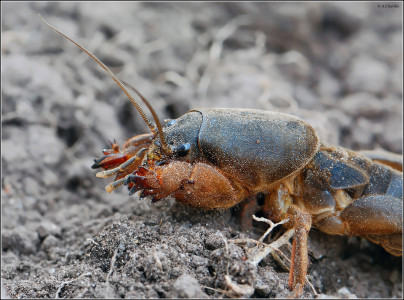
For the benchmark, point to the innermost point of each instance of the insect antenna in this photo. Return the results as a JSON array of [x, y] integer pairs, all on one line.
[[124, 89], [156, 119]]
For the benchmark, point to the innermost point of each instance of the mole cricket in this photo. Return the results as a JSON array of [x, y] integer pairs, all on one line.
[[215, 158]]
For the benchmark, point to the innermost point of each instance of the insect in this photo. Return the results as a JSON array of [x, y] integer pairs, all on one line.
[[215, 158]]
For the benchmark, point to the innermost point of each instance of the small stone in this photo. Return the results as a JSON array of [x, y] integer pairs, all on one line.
[[46, 228], [187, 286], [214, 241], [198, 261], [14, 150], [328, 86], [362, 104], [31, 186], [166, 229], [346, 293], [305, 97], [263, 290], [362, 134], [19, 240], [294, 64], [367, 74], [48, 148], [49, 243], [390, 136]]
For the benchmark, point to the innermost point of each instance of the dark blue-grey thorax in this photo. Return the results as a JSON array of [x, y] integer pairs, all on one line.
[[253, 146]]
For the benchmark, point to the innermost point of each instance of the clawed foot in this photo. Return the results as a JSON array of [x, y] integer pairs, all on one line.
[[143, 179], [109, 161]]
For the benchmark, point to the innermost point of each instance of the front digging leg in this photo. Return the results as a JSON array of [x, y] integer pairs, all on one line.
[[199, 184]]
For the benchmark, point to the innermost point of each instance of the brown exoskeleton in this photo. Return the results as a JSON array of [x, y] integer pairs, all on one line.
[[215, 158]]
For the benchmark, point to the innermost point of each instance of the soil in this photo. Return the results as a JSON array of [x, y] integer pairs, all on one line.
[[336, 65]]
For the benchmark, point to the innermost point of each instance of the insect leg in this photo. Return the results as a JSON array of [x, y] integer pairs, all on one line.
[[113, 158], [197, 184], [301, 221], [122, 171], [377, 218], [137, 142], [137, 159], [115, 184]]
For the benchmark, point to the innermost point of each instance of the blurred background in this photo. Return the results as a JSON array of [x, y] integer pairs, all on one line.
[[337, 65]]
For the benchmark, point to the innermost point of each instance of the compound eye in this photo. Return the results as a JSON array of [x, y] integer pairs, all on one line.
[[183, 149], [170, 123]]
